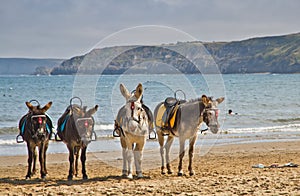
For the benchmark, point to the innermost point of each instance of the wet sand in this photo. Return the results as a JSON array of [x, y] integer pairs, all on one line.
[[224, 170]]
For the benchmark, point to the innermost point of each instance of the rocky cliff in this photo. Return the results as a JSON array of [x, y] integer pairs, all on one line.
[[277, 54]]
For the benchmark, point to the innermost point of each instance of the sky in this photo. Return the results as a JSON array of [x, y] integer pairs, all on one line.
[[67, 28]]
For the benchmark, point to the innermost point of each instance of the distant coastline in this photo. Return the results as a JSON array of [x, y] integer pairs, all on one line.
[[273, 54]]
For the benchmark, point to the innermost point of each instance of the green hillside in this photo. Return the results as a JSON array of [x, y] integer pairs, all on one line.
[[277, 54]]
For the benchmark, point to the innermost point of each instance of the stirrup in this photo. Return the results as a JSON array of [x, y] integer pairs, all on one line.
[[203, 130], [115, 134], [152, 138], [19, 139], [57, 138]]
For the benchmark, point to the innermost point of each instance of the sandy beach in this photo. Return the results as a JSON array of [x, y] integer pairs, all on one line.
[[224, 170]]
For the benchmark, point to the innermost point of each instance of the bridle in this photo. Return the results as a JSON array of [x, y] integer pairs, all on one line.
[[204, 114], [86, 122], [132, 107], [119, 127], [35, 131]]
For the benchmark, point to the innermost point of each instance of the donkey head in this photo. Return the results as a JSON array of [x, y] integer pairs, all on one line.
[[38, 119], [211, 112], [134, 114], [84, 122]]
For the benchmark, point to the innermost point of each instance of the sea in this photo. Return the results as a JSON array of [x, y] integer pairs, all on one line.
[[266, 106]]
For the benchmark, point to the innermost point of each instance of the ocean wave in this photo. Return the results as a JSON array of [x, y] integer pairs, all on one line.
[[8, 142], [286, 120], [104, 127], [9, 130], [280, 128]]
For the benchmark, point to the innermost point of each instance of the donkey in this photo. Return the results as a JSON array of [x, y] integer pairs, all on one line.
[[187, 121], [36, 133], [76, 128], [132, 122]]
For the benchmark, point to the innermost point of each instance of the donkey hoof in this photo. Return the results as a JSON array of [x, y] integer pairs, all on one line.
[[124, 173], [85, 177], [70, 178], [163, 172], [192, 173], [130, 176], [27, 177], [140, 175], [170, 172], [180, 174], [43, 176]]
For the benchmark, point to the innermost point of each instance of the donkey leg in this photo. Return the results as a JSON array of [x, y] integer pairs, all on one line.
[[124, 155], [71, 161], [83, 159], [181, 155], [41, 160], [129, 160], [45, 152], [76, 154], [138, 156], [34, 157], [191, 154], [168, 148], [29, 160], [162, 150]]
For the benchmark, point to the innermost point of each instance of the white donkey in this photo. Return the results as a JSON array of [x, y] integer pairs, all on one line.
[[133, 128]]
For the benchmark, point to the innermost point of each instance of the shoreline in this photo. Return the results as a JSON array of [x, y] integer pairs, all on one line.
[[223, 170]]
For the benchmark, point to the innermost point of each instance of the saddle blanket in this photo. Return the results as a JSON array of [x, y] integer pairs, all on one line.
[[166, 118]]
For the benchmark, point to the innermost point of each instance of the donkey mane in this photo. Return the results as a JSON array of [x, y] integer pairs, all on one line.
[[199, 99]]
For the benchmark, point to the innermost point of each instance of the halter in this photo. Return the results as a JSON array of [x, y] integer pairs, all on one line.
[[132, 107], [87, 121], [119, 128], [35, 133], [205, 111]]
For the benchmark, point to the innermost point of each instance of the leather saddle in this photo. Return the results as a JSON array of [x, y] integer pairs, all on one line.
[[171, 104]]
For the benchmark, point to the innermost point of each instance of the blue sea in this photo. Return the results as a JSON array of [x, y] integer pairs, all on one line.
[[267, 105]]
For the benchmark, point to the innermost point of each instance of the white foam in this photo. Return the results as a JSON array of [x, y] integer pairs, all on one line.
[[281, 128], [8, 142]]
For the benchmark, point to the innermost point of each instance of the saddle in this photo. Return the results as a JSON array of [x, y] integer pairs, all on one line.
[[167, 113], [61, 124]]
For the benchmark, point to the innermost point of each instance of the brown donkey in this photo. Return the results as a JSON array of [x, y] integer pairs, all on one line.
[[76, 128], [36, 128]]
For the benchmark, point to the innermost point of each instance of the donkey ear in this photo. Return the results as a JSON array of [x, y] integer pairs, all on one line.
[[84, 108], [220, 100], [124, 91], [92, 111], [205, 100], [138, 91], [47, 106], [29, 105]]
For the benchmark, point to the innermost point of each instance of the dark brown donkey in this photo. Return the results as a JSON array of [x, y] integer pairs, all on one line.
[[35, 128], [76, 128]]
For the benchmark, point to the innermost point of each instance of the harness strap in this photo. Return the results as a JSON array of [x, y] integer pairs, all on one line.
[[115, 134], [62, 127], [23, 126]]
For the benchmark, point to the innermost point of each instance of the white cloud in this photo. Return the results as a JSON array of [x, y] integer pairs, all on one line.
[[36, 28]]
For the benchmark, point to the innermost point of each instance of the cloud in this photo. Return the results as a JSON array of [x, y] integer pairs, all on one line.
[[36, 28]]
